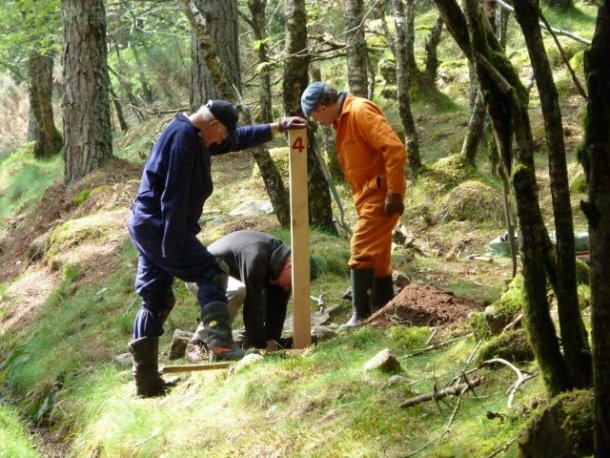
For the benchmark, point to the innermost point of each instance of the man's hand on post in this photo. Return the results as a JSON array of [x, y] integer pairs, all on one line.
[[292, 123], [393, 204]]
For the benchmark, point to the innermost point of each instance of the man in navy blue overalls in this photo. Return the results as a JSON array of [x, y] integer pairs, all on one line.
[[164, 223]]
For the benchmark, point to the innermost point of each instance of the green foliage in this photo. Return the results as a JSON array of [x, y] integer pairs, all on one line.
[[24, 178]]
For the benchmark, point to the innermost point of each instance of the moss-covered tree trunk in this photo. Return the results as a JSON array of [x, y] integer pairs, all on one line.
[[403, 84], [295, 81], [562, 267], [274, 184], [506, 103], [595, 157]]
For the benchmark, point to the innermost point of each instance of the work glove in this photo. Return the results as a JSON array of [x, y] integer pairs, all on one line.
[[292, 123], [393, 204]]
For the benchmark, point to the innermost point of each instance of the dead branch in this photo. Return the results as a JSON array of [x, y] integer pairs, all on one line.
[[522, 377], [513, 323], [455, 390]]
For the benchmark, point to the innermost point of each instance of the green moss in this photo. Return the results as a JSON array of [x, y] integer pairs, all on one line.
[[471, 201], [582, 273], [511, 346], [564, 428], [478, 324], [81, 197]]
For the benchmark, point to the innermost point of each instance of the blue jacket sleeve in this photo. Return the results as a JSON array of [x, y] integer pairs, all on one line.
[[247, 137]]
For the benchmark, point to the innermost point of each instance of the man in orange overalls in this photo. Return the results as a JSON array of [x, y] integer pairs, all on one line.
[[372, 158]]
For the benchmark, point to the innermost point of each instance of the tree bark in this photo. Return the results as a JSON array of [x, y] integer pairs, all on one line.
[[41, 127], [295, 81], [595, 158], [431, 44], [218, 73], [403, 80], [562, 268], [220, 19], [86, 105], [506, 102], [356, 48]]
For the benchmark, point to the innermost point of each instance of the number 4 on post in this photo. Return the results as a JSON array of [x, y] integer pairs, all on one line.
[[299, 232]]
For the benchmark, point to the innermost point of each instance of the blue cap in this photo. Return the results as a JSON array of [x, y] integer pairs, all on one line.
[[311, 96]]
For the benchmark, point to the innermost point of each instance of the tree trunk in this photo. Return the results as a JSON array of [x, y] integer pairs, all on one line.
[[409, 14], [403, 80], [218, 73], [506, 102], [294, 83], [118, 109], [431, 44], [562, 268], [258, 22], [356, 48], [220, 18], [41, 126], [595, 158], [474, 133], [86, 105]]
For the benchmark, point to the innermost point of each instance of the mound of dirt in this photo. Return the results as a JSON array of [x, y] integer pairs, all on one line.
[[423, 305]]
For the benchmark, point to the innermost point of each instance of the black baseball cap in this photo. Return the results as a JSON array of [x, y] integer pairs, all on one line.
[[226, 113]]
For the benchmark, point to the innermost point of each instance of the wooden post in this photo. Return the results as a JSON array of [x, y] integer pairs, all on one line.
[[299, 232]]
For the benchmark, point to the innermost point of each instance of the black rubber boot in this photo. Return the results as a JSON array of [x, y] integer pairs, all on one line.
[[383, 292], [362, 284], [145, 352], [217, 333]]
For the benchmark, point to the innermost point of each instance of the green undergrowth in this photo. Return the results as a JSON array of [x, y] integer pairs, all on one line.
[[24, 178], [15, 439], [321, 403]]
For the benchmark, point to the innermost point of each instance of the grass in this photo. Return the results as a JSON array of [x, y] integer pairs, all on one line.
[[15, 439], [24, 178]]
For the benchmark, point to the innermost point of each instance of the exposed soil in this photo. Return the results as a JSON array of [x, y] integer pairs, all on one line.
[[423, 305]]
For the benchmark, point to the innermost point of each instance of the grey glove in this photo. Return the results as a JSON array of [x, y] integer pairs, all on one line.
[[393, 204]]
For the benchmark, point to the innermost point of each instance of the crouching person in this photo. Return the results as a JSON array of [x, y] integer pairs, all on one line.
[[259, 266]]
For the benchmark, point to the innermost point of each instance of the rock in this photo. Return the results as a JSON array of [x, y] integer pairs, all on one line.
[[177, 347], [495, 321], [562, 430], [246, 361], [400, 280], [322, 333], [384, 361], [123, 360]]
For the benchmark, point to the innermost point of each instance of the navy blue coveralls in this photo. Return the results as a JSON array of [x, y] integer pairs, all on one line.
[[163, 223]]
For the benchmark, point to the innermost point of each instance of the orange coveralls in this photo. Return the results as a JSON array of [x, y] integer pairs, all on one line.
[[372, 158]]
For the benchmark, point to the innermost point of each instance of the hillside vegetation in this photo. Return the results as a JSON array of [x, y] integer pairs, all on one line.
[[67, 304]]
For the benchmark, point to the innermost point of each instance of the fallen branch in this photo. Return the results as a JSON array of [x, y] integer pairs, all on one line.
[[521, 378], [455, 390]]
